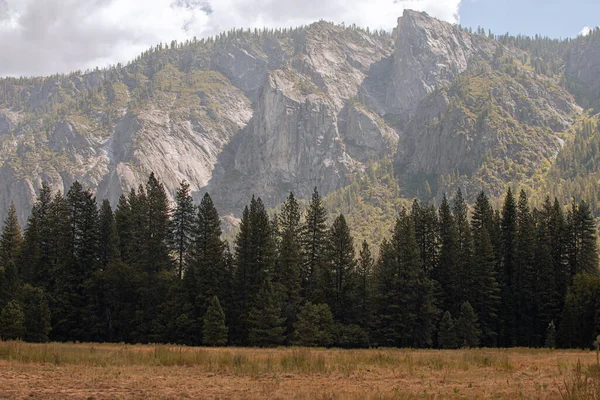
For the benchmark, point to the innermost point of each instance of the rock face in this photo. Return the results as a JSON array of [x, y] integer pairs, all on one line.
[[268, 112]]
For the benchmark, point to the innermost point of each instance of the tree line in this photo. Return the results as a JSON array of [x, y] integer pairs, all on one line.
[[446, 277]]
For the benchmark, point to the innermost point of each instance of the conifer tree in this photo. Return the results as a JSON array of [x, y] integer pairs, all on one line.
[[524, 288], [36, 315], [314, 235], [338, 279], [464, 263], [315, 326], [11, 242], [214, 331], [109, 247], [182, 224], [582, 245], [206, 272], [255, 258], [124, 224], [447, 332], [486, 292], [467, 327], [265, 320], [550, 342], [158, 235], [445, 272], [364, 273], [11, 321], [287, 276], [508, 226], [404, 295], [426, 233]]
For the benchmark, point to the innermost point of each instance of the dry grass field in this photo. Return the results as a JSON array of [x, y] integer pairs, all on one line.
[[108, 371]]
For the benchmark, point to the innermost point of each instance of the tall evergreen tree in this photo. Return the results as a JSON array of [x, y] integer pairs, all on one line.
[[338, 279], [582, 244], [265, 320], [524, 288], [182, 224], [11, 321], [206, 274], [214, 328], [364, 273], [156, 246], [314, 235], [426, 233], [508, 226], [109, 246], [445, 273], [36, 314], [464, 277], [467, 329], [287, 277], [124, 224], [485, 291], [11, 242], [404, 295], [447, 332], [255, 259]]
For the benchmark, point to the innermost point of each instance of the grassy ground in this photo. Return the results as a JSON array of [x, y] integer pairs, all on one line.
[[100, 371]]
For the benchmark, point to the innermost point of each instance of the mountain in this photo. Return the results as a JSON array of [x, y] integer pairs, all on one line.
[[271, 111]]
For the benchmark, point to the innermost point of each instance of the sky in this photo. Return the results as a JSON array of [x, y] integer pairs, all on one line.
[[42, 37]]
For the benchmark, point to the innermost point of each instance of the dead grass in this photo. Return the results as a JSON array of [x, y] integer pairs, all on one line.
[[109, 371]]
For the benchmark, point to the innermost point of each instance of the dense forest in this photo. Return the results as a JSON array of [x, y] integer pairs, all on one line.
[[150, 271]]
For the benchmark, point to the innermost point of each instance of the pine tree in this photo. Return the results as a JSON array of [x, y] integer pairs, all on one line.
[[550, 342], [214, 331], [580, 318], [11, 321], [583, 248], [206, 273], [124, 224], [426, 234], [287, 276], [447, 332], [486, 291], [36, 315], [156, 245], [314, 235], [445, 272], [524, 288], [265, 320], [508, 227], [466, 327], [464, 277], [182, 224], [337, 281], [364, 273], [11, 242], [109, 247], [77, 262], [255, 258], [314, 326], [404, 295]]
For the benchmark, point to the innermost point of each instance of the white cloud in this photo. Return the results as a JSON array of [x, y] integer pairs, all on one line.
[[585, 31], [39, 37]]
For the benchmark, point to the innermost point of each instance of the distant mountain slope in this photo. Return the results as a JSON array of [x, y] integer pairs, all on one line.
[[271, 111]]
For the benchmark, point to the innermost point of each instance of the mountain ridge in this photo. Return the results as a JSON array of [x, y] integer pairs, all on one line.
[[271, 111]]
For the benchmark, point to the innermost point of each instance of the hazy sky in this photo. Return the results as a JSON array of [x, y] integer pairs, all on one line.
[[40, 37]]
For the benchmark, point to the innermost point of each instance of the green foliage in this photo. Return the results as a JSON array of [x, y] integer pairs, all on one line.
[[447, 338], [315, 326], [11, 321], [36, 314], [550, 342], [264, 319], [467, 330], [214, 331]]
